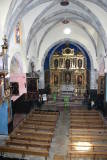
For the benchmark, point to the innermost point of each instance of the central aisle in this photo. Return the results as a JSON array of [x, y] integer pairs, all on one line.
[[60, 141]]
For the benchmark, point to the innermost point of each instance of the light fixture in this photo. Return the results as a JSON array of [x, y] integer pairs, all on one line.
[[27, 57], [64, 3], [65, 21], [67, 31]]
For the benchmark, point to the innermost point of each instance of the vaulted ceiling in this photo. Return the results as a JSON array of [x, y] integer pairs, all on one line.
[[42, 25]]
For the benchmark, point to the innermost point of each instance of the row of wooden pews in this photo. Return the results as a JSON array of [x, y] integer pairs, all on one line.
[[87, 135], [33, 136]]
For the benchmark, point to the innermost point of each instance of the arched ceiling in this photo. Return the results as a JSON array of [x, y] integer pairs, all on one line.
[[40, 17]]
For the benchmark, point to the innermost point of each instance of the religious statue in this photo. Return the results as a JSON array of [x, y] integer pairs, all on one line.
[[60, 62], [55, 63], [79, 63], [67, 63], [67, 77], [5, 43], [3, 55], [79, 80], [55, 79]]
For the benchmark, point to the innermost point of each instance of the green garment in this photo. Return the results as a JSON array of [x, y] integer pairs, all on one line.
[[54, 97], [66, 102]]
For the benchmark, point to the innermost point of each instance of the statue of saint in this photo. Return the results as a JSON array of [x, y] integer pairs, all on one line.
[[55, 79], [79, 80], [67, 77], [67, 63]]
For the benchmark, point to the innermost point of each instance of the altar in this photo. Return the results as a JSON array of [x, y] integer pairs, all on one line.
[[68, 72], [67, 89]]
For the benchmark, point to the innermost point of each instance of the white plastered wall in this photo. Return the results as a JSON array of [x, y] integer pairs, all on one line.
[[4, 7], [18, 48], [100, 56]]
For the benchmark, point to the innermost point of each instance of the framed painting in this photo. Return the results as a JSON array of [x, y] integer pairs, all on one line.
[[14, 88]]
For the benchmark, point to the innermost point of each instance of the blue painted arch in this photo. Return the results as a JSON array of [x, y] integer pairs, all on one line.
[[58, 48]]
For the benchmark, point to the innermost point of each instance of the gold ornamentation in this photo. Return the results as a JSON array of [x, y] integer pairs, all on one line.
[[68, 68]]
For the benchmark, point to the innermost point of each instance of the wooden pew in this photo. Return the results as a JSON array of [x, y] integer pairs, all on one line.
[[40, 121], [91, 146], [45, 112], [24, 151], [103, 130], [37, 127], [88, 133], [83, 110], [84, 114], [37, 138], [87, 126], [82, 121], [85, 117], [45, 119], [87, 120], [33, 135], [28, 143], [58, 157], [42, 112], [31, 122], [33, 132], [85, 123], [87, 138], [43, 115], [89, 154]]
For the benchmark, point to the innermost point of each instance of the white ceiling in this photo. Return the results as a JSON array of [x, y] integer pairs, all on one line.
[[42, 24]]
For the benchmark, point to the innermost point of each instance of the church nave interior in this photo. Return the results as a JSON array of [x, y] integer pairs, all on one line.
[[53, 79]]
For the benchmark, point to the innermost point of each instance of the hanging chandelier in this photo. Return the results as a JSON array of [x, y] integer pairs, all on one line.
[[65, 21], [64, 3]]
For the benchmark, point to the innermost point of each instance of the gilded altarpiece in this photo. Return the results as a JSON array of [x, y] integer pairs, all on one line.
[[101, 85], [69, 69]]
